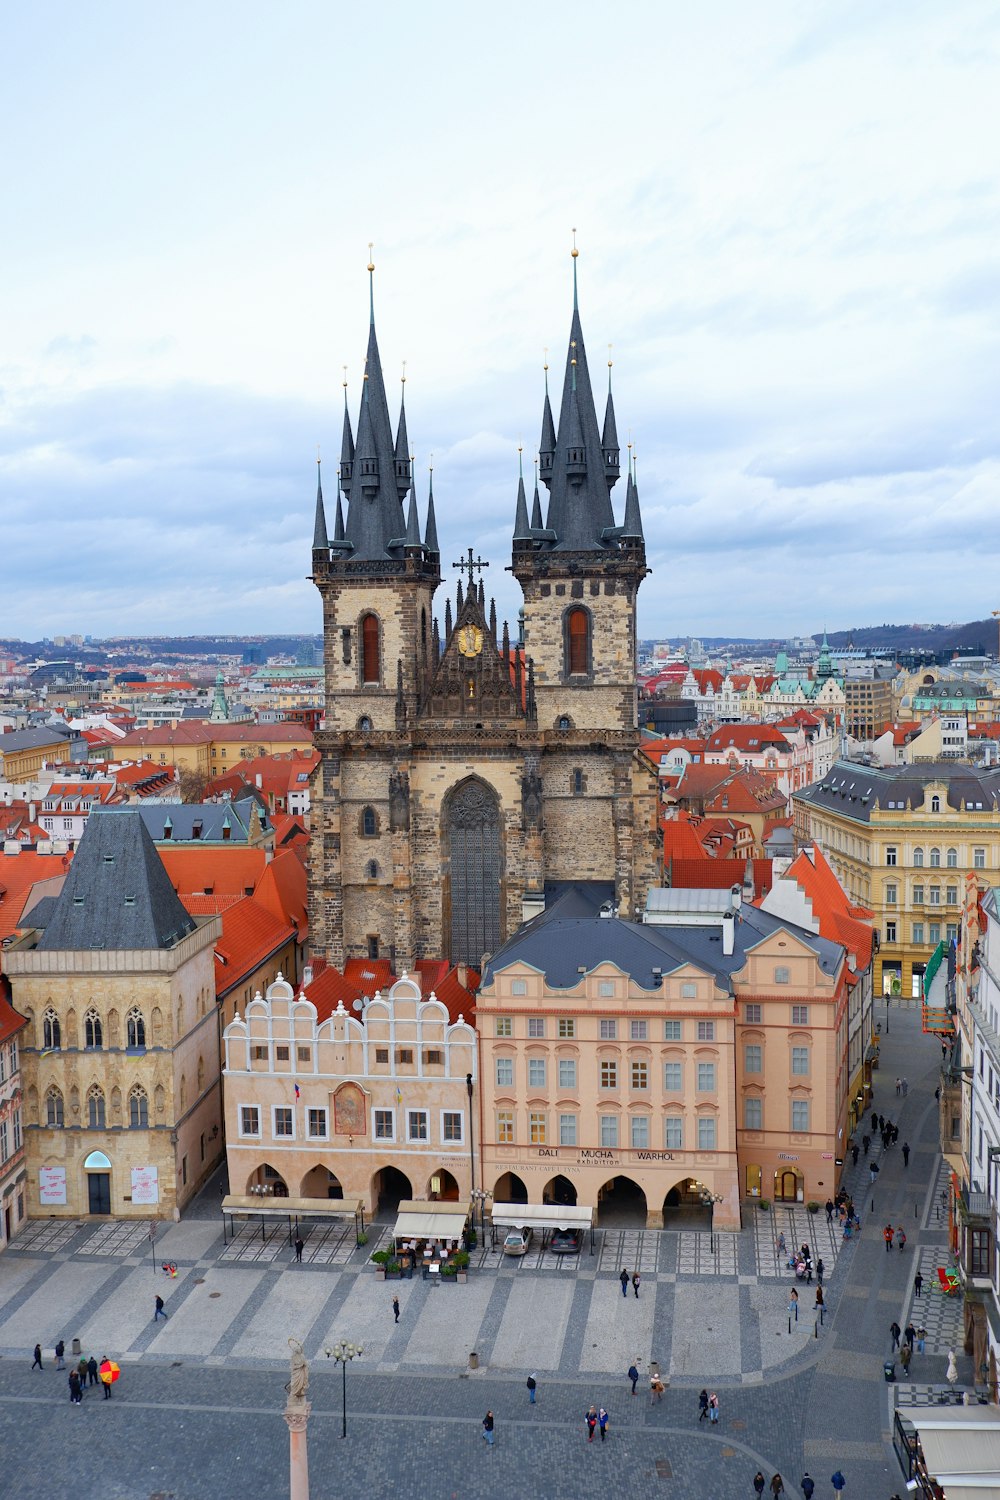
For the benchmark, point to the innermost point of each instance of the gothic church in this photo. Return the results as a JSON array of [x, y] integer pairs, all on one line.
[[465, 771]]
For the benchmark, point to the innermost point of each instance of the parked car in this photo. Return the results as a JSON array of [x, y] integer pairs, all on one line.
[[517, 1242], [565, 1242]]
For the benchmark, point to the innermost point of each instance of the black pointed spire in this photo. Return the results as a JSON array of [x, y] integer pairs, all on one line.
[[437, 641], [346, 445], [632, 529], [536, 505], [412, 524], [493, 620], [522, 530], [447, 620], [547, 441], [461, 600], [402, 449], [320, 542], [609, 437], [430, 530], [338, 522]]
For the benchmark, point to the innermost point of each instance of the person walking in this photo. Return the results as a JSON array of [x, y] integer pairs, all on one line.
[[623, 1278], [656, 1389], [159, 1311], [92, 1371], [38, 1358], [819, 1298], [854, 1152], [807, 1485], [838, 1481], [81, 1370], [873, 1171], [866, 1141], [60, 1351], [488, 1428], [602, 1422], [921, 1339], [793, 1304], [901, 1237], [918, 1282], [899, 1084], [702, 1406], [906, 1087], [887, 1236], [777, 1485], [905, 1355], [590, 1421], [906, 1153], [395, 1309], [74, 1388], [758, 1483], [819, 1271], [910, 1334], [299, 1246], [829, 1210], [635, 1284], [894, 1331], [532, 1385], [713, 1408], [106, 1383], [633, 1375]]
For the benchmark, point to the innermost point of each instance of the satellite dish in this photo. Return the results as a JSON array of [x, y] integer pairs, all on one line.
[[357, 1005]]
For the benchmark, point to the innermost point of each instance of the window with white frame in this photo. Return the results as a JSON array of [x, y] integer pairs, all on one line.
[[782, 975], [800, 1060], [918, 932], [935, 895], [890, 854], [452, 1130], [284, 1122], [640, 1132], [17, 1130], [567, 1130], [951, 859], [706, 1078], [800, 1015], [504, 1026], [536, 1026], [385, 1125], [536, 1072], [800, 1115], [706, 1031], [751, 1014], [979, 859], [316, 1122], [934, 933], [416, 1125], [4, 1141], [605, 987], [890, 932], [890, 895], [505, 1127], [753, 1113], [673, 1079], [567, 1072], [609, 1031], [638, 1031], [706, 1132], [918, 895], [639, 1069], [567, 1027], [918, 859], [935, 859], [538, 1127], [689, 991], [609, 1132], [505, 1072], [951, 895], [753, 1058], [519, 986], [673, 1132], [671, 1031], [609, 1073]]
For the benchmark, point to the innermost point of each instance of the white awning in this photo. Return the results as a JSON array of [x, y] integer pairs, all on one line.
[[541, 1216], [430, 1221], [268, 1207], [961, 1447]]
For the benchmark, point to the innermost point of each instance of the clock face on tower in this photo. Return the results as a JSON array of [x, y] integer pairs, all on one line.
[[470, 640]]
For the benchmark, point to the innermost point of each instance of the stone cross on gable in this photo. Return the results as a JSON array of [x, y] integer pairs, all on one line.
[[471, 565]]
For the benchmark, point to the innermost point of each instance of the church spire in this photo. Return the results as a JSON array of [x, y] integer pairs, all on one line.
[[522, 530], [547, 441], [412, 524], [403, 476], [536, 505], [609, 436], [632, 528], [338, 523], [430, 530], [346, 445], [320, 542]]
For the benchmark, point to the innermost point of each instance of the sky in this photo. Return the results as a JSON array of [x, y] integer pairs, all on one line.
[[787, 217]]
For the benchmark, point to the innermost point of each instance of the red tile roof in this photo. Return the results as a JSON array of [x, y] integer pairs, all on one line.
[[284, 890], [19, 873], [194, 869], [839, 920], [250, 934], [680, 839], [10, 1022], [719, 874]]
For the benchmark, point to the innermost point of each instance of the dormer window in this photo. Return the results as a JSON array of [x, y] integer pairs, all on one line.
[[935, 804]]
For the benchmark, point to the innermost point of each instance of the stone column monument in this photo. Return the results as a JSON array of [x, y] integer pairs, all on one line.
[[296, 1414]]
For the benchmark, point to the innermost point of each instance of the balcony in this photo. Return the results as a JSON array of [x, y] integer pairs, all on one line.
[[975, 1207]]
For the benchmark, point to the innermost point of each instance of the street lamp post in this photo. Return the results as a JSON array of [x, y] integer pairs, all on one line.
[[710, 1200], [343, 1353], [480, 1195]]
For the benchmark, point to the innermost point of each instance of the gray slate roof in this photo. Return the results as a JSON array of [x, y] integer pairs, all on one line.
[[854, 791], [559, 943], [117, 895], [34, 739], [181, 818]]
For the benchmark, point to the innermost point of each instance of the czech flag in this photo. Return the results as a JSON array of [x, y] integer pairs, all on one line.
[[296, 1091]]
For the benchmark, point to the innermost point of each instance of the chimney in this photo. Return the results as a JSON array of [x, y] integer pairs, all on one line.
[[737, 897], [728, 933], [462, 974], [259, 780]]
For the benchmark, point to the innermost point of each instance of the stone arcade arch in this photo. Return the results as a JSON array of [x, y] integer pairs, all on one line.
[[320, 1182], [621, 1203], [559, 1190], [442, 1187], [389, 1188], [685, 1208], [267, 1177], [509, 1189]]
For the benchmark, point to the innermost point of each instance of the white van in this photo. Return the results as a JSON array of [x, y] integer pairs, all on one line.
[[517, 1242]]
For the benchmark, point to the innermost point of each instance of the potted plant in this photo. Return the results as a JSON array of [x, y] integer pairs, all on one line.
[[362, 1238], [380, 1260], [764, 1204], [812, 1208], [460, 1261]]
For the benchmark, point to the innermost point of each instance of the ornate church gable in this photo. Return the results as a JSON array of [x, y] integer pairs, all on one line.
[[478, 677]]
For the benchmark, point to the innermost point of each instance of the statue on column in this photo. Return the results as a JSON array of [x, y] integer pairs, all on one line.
[[299, 1382]]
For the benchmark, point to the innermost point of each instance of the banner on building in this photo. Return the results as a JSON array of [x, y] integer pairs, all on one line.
[[51, 1185], [145, 1185]]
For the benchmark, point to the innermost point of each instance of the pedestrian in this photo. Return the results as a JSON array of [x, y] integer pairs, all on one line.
[[60, 1351], [874, 1122], [906, 1153], [602, 1420], [918, 1282], [702, 1406], [81, 1370], [819, 1270], [758, 1483], [881, 1124], [899, 1084], [854, 1152], [713, 1408], [887, 1236], [74, 1388], [906, 1088], [777, 1486], [901, 1238], [656, 1389], [159, 1311], [866, 1141], [488, 1428], [395, 1309], [633, 1375], [807, 1485], [829, 1210], [590, 1421], [38, 1358], [793, 1304], [635, 1284], [905, 1355], [910, 1334], [894, 1331], [838, 1481], [780, 1245], [921, 1339], [92, 1371], [809, 1271], [873, 1171], [106, 1383], [819, 1296], [532, 1386], [299, 1245], [623, 1278]]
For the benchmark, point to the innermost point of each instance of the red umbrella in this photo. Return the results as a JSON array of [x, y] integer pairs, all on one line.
[[109, 1371]]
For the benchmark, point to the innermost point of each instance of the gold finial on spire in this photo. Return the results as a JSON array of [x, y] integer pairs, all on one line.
[[366, 369], [545, 366], [318, 458], [371, 263], [574, 252], [404, 372], [573, 347], [610, 360]]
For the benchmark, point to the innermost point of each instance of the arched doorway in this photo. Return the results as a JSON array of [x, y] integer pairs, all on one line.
[[473, 865], [621, 1203], [389, 1188], [509, 1189], [788, 1186], [266, 1182], [443, 1187], [321, 1183], [684, 1206], [98, 1169], [559, 1190]]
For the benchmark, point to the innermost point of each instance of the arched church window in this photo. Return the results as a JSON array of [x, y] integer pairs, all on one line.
[[138, 1109], [95, 1109], [135, 1027], [51, 1031], [364, 724], [54, 1109], [93, 1031], [372, 869], [563, 723], [578, 643], [371, 654], [369, 823]]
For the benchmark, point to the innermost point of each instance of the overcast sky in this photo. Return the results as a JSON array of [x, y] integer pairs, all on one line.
[[788, 217]]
